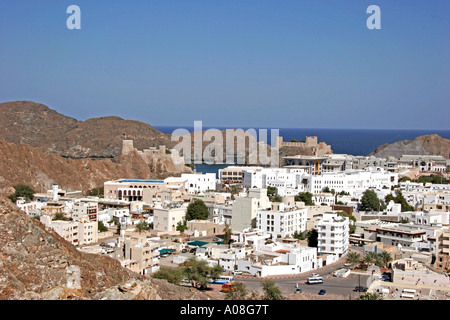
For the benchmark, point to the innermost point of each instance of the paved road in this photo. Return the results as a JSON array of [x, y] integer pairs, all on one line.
[[335, 286]]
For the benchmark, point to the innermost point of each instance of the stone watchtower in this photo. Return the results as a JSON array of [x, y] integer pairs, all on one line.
[[127, 147]]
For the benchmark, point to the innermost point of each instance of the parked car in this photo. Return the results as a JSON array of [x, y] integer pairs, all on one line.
[[360, 289], [298, 290], [322, 292], [237, 272]]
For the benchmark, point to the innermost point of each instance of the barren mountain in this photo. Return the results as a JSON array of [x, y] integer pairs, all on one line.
[[424, 145], [23, 164], [36, 124]]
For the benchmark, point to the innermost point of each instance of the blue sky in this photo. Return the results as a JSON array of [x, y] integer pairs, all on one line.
[[248, 63]]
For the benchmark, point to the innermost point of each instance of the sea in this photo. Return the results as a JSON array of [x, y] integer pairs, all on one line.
[[357, 142]]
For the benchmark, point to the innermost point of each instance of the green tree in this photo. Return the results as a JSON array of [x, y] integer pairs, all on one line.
[[21, 191], [96, 192], [101, 227], [353, 258], [141, 227], [172, 275], [385, 258], [271, 291], [370, 258], [370, 296], [271, 191], [306, 197], [197, 210], [399, 198], [199, 273], [370, 201], [181, 227], [227, 233], [239, 292]]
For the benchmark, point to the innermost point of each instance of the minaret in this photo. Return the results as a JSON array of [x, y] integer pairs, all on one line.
[[55, 192]]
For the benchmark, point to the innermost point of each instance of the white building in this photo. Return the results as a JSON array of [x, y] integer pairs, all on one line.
[[273, 177], [32, 208], [280, 259], [350, 180], [333, 234], [323, 199], [80, 209], [199, 183], [282, 221]]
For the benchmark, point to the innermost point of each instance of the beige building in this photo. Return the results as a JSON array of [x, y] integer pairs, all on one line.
[[244, 213], [140, 256], [167, 219], [53, 208], [79, 233], [200, 228], [443, 250]]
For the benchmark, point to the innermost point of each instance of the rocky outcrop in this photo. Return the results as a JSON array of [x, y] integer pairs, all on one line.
[[424, 145], [23, 164], [37, 264]]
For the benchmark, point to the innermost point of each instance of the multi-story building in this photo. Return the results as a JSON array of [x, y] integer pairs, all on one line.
[[141, 256], [282, 221], [89, 209], [443, 250], [425, 163], [333, 234], [167, 219], [244, 210], [78, 233]]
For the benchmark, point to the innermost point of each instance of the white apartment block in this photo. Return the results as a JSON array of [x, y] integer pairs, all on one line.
[[407, 237], [282, 221], [78, 233], [333, 234], [352, 180], [199, 183], [32, 208], [273, 177], [323, 199]]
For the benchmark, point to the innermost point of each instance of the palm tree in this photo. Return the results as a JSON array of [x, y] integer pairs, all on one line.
[[371, 296], [227, 234], [385, 258], [370, 257], [141, 227], [353, 258]]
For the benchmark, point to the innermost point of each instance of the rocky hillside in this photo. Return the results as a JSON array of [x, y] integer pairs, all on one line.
[[39, 126], [424, 145], [23, 164], [37, 264]]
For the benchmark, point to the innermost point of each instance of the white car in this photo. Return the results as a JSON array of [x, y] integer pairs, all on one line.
[[237, 272]]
